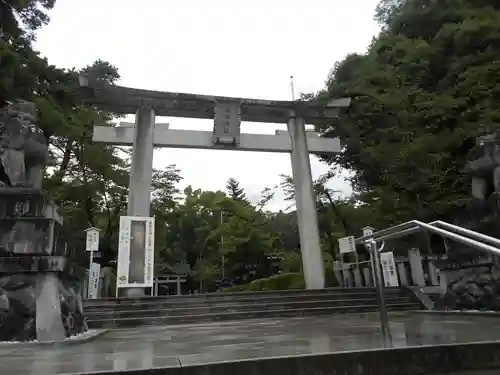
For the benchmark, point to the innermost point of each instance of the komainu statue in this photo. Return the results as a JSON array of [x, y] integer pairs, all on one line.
[[23, 147]]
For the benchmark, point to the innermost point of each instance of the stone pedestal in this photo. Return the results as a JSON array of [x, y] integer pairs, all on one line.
[[39, 299], [417, 270]]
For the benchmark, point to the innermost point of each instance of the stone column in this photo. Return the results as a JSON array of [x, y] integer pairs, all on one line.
[[368, 276], [417, 271], [358, 282], [433, 275], [337, 271], [347, 274], [141, 173], [403, 274], [443, 282], [312, 258], [478, 188]]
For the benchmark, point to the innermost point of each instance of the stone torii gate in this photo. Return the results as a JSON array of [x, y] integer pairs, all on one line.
[[227, 113]]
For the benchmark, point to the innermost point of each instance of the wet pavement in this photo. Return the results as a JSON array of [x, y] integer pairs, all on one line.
[[180, 346]]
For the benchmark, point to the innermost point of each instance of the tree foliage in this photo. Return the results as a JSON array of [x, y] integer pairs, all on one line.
[[427, 86], [235, 191], [424, 89]]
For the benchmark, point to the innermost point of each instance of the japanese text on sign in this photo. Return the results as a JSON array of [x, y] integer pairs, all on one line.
[[92, 243], [347, 245], [124, 249], [389, 269]]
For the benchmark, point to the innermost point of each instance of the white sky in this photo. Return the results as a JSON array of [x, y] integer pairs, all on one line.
[[219, 47]]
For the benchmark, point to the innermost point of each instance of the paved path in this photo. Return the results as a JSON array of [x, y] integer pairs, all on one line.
[[176, 346]]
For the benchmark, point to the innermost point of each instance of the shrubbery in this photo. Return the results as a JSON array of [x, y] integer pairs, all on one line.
[[284, 281]]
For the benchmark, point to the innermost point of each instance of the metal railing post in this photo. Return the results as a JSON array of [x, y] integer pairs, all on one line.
[[380, 287], [456, 233]]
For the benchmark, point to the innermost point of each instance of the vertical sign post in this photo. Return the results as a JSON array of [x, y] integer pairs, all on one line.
[[92, 244], [346, 245], [95, 272], [368, 231]]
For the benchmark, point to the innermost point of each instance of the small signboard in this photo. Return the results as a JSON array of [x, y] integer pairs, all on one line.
[[367, 231], [135, 266], [92, 243], [94, 275], [347, 245], [389, 269]]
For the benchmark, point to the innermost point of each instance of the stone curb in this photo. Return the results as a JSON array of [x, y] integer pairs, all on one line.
[[87, 337], [430, 359], [490, 314]]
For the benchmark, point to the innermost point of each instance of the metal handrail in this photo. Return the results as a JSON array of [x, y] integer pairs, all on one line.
[[467, 232], [414, 226], [480, 242]]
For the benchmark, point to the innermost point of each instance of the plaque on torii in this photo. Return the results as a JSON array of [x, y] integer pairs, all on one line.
[[227, 123]]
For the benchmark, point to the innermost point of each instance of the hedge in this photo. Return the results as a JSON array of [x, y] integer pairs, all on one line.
[[277, 282], [284, 281]]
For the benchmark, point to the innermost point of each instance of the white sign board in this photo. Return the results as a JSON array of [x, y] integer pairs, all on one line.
[[389, 269], [136, 244], [92, 243], [94, 274], [347, 245], [367, 231]]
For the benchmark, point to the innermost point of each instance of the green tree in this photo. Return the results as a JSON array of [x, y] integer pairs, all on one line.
[[23, 18], [236, 246], [89, 181], [235, 191], [422, 92], [337, 217], [22, 71]]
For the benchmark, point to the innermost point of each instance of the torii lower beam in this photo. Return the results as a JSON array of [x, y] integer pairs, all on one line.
[[194, 139]]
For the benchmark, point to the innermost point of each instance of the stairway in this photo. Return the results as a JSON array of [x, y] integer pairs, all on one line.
[[189, 309]]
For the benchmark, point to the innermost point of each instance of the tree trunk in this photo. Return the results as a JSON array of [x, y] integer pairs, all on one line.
[[61, 172]]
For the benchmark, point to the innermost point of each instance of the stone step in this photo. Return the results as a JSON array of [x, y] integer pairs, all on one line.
[[238, 295], [234, 307], [253, 314], [174, 301]]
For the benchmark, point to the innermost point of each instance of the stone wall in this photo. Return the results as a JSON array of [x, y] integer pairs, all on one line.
[[476, 289]]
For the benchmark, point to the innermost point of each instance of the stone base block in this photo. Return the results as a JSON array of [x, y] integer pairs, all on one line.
[[39, 306]]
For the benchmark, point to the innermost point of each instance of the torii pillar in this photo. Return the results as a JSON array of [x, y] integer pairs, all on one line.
[[305, 201], [139, 195]]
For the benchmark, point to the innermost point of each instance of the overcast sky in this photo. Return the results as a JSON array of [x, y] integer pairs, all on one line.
[[219, 47]]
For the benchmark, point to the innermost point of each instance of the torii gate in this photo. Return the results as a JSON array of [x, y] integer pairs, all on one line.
[[227, 113]]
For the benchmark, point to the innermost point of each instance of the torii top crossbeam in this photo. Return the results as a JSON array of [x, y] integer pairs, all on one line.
[[125, 100]]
